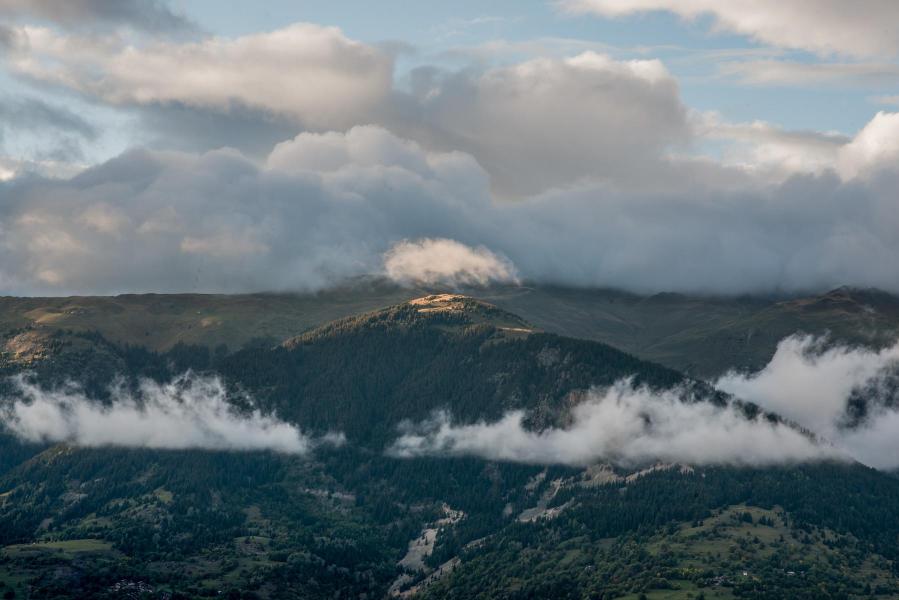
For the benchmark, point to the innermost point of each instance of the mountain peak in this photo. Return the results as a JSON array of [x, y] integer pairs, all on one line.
[[443, 303], [468, 311], [448, 312]]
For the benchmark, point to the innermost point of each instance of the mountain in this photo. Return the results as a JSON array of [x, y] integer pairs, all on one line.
[[701, 335], [364, 375], [351, 520]]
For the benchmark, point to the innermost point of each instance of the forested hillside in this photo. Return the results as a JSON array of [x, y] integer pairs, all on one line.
[[347, 519], [701, 335]]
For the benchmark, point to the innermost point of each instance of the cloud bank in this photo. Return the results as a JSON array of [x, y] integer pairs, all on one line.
[[813, 384], [624, 426], [325, 207], [189, 412], [578, 171]]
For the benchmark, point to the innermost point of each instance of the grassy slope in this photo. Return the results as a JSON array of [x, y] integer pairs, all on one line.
[[159, 321]]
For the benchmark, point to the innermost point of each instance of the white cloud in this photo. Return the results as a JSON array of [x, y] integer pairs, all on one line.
[[189, 412], [767, 150], [811, 383], [446, 262], [876, 147], [551, 122], [310, 73], [363, 146], [533, 125], [821, 26], [804, 74], [625, 426], [761, 146]]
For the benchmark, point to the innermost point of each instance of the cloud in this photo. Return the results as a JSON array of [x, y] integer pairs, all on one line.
[[164, 221], [326, 207], [532, 125], [189, 412], [43, 132], [17, 168], [812, 383], [34, 113], [549, 122], [315, 75], [447, 263], [820, 26], [875, 148], [763, 147], [624, 426], [146, 15], [804, 74]]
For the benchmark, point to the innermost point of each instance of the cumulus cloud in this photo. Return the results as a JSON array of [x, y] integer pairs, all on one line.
[[189, 412], [313, 74], [626, 426], [548, 122], [163, 221], [876, 147], [533, 125], [765, 149], [813, 383], [821, 26], [325, 207], [447, 263]]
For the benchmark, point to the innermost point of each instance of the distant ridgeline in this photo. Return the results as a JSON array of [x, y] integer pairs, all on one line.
[[343, 520]]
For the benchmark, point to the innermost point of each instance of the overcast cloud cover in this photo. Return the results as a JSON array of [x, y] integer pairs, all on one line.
[[294, 157]]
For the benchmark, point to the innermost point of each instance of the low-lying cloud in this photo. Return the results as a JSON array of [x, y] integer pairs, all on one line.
[[447, 263], [847, 398], [626, 426], [813, 383], [188, 412]]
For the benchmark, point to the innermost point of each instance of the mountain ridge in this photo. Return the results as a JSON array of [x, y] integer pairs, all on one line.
[[702, 335]]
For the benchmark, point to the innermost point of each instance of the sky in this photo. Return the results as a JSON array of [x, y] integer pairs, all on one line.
[[649, 145]]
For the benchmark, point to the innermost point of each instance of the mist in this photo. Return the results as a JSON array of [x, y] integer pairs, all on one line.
[[812, 383], [623, 425], [188, 412]]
